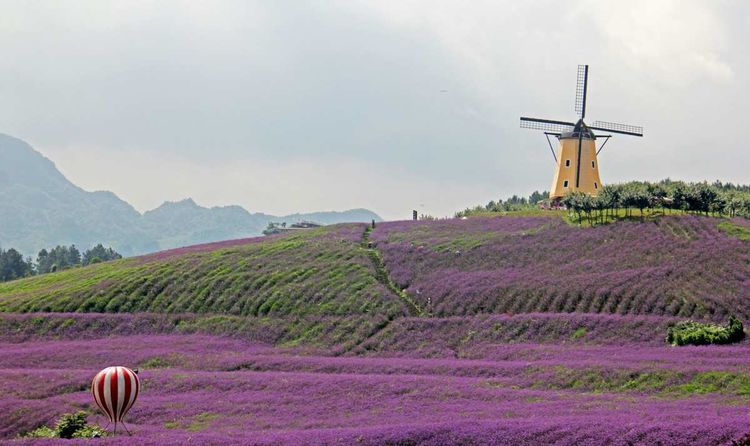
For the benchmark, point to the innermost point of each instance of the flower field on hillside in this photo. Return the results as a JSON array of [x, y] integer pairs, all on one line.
[[317, 272], [676, 266]]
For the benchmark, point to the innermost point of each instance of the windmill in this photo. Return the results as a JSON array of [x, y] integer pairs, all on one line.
[[577, 167]]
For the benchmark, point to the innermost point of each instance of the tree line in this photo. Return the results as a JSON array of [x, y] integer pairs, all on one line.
[[620, 200], [512, 204], [666, 196], [14, 266]]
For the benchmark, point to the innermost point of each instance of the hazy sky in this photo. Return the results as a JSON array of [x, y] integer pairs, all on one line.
[[284, 106]]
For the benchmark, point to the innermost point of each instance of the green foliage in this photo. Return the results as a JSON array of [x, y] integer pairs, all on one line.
[[42, 432], [696, 333], [719, 199], [64, 257], [14, 266], [58, 258], [90, 431], [99, 254], [512, 204], [69, 425]]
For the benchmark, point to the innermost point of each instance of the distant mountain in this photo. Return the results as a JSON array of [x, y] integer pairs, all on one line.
[[40, 208]]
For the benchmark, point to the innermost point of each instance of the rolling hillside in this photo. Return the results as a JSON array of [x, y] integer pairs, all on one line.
[[317, 272], [682, 266]]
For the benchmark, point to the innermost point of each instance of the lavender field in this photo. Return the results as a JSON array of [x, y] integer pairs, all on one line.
[[683, 266], [486, 331], [210, 390]]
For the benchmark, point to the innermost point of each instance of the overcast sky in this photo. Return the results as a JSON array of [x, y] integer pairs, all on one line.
[[285, 106]]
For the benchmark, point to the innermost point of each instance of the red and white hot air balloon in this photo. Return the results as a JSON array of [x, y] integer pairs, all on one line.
[[115, 390]]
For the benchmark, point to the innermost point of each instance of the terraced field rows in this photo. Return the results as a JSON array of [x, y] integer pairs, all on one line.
[[318, 272], [209, 390], [675, 266]]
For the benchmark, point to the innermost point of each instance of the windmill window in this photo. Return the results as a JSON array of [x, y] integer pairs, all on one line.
[[565, 183], [592, 164], [596, 186], [567, 163]]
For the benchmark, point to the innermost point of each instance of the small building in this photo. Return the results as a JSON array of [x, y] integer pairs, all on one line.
[[281, 227]]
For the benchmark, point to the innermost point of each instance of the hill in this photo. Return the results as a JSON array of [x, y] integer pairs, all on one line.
[[314, 272], [683, 266], [41, 208]]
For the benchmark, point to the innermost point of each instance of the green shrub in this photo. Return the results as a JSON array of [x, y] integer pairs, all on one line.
[[696, 333], [70, 425], [90, 431], [42, 432]]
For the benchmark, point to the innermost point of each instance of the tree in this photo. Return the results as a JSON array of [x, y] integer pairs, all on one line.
[[99, 254], [717, 198], [579, 203], [58, 258], [537, 196], [657, 195], [74, 256], [611, 195], [13, 265], [600, 203], [733, 203], [43, 262]]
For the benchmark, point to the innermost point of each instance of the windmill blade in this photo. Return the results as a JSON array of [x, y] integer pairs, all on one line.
[[623, 129], [581, 88], [547, 125]]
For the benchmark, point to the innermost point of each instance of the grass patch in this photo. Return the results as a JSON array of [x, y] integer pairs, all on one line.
[[579, 333], [159, 362], [658, 382], [197, 423], [734, 230]]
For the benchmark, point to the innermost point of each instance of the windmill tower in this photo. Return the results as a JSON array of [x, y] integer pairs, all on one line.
[[577, 168]]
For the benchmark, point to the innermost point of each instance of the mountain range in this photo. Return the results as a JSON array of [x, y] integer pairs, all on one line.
[[40, 208]]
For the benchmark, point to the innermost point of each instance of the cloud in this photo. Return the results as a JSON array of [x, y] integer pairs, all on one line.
[[675, 41], [265, 103]]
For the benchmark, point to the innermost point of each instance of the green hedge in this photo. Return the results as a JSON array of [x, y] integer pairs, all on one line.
[[696, 333]]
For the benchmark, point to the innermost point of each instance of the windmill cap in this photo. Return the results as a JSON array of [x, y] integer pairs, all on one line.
[[580, 130]]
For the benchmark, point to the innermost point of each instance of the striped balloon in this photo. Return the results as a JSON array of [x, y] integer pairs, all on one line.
[[115, 390]]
